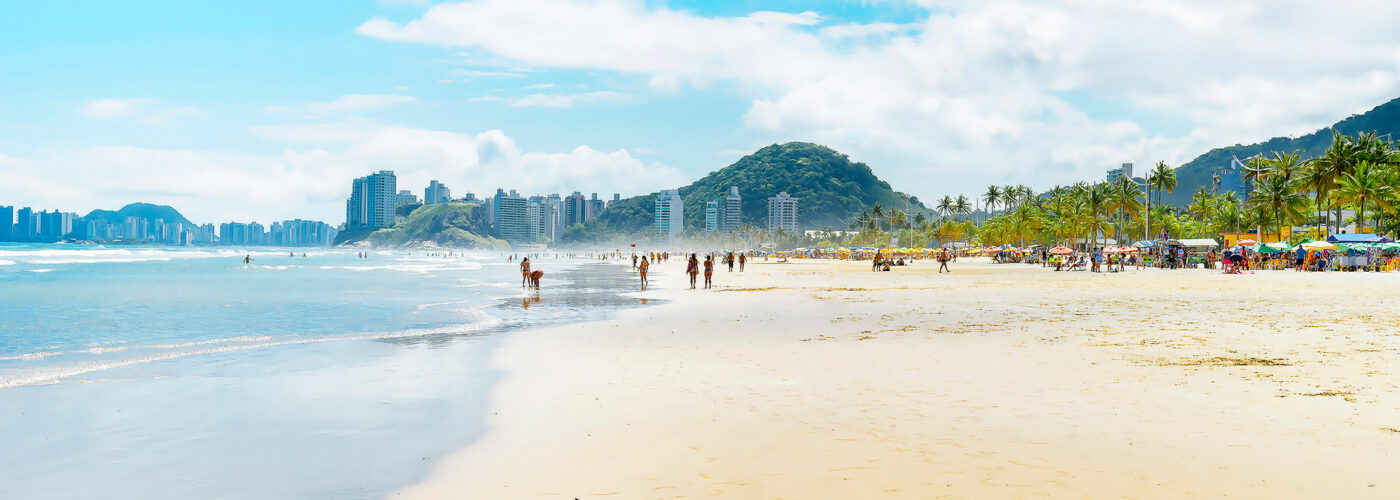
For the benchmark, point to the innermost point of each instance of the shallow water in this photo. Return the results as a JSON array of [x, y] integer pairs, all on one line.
[[177, 373]]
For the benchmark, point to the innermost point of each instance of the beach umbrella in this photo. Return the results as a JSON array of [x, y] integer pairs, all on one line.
[[1248, 242], [1319, 245], [1061, 250], [1278, 245]]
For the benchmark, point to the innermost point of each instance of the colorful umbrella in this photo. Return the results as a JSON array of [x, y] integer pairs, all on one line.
[[1061, 250]]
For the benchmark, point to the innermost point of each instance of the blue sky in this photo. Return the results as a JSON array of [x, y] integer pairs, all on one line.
[[264, 110]]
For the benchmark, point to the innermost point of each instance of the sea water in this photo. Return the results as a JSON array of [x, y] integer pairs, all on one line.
[[175, 372]]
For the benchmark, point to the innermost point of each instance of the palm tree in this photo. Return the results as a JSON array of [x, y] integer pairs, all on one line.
[[1276, 199], [1337, 161], [992, 197], [945, 205], [1163, 178], [877, 213], [1365, 184], [961, 206]]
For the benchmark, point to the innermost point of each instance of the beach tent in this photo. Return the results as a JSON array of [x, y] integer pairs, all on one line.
[[1357, 238], [1196, 243]]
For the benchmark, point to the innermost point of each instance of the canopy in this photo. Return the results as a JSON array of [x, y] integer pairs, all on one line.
[[1357, 238], [1202, 242], [1061, 250], [1278, 245], [1145, 244], [1319, 245]]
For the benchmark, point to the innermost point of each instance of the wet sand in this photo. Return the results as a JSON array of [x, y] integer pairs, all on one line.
[[824, 380]]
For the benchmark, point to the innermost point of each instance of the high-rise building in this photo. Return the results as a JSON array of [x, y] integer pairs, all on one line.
[[575, 209], [510, 217], [7, 223], [557, 207], [373, 199], [670, 215], [782, 213], [712, 217], [1124, 171], [406, 197], [24, 224], [616, 198], [594, 208], [436, 192], [733, 210]]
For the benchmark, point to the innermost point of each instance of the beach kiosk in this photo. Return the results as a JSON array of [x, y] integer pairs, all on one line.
[[1196, 249]]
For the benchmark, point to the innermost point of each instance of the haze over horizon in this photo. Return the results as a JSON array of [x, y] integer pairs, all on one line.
[[264, 111]]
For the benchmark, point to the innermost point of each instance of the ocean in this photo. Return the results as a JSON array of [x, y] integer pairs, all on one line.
[[178, 372]]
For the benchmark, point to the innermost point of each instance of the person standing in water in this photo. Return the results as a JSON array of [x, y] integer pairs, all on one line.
[[524, 271], [742, 259], [709, 269], [692, 268], [642, 267]]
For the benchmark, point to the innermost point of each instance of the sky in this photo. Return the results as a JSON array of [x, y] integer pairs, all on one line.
[[266, 110]]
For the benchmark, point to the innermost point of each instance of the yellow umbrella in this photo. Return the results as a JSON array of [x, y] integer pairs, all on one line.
[[1319, 245]]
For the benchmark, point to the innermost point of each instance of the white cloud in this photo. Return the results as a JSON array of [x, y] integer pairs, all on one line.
[[540, 86], [568, 100], [476, 73], [311, 177], [991, 90], [143, 110], [353, 103], [769, 17], [484, 98]]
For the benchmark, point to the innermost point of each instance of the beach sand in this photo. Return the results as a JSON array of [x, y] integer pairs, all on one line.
[[821, 379]]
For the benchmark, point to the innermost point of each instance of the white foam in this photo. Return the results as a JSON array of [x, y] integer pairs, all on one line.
[[54, 374], [6, 262]]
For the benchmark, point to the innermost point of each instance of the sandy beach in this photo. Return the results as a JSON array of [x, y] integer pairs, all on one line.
[[821, 379]]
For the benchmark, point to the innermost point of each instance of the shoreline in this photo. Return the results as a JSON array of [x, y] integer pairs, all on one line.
[[823, 379]]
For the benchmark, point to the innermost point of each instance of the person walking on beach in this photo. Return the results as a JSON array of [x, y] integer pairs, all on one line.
[[875, 266], [642, 267], [692, 268], [634, 262], [709, 269], [742, 259], [524, 271], [943, 261], [729, 259]]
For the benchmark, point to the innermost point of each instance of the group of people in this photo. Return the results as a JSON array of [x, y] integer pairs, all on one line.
[[882, 263]]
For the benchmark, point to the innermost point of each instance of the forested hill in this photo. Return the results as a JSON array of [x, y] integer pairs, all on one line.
[[831, 190], [145, 211], [1383, 119]]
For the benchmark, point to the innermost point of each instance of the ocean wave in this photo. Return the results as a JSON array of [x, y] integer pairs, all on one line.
[[6, 262], [54, 374]]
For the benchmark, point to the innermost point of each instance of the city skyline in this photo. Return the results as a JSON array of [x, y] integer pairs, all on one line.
[[253, 109]]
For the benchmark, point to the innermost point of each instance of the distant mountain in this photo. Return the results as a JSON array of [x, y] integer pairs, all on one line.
[[459, 225], [141, 210], [831, 189], [1383, 120]]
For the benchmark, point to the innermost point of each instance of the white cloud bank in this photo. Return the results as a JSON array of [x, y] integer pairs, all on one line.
[[311, 177], [989, 90]]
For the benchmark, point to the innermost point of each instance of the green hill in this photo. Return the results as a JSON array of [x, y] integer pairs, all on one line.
[[1383, 120], [141, 210], [831, 189], [460, 225]]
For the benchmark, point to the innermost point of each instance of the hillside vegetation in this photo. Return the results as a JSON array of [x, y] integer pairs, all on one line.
[[1384, 120], [831, 189], [461, 225]]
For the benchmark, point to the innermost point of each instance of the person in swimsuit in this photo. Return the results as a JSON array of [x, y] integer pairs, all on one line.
[[535, 278], [692, 268], [709, 269], [524, 271], [741, 262], [642, 267], [943, 262]]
